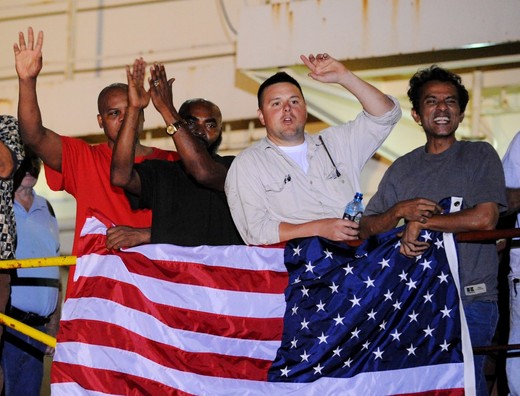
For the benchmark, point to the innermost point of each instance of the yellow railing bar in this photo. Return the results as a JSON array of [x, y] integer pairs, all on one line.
[[28, 330], [38, 262]]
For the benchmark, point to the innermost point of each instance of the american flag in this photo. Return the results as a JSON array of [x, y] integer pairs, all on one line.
[[314, 318]]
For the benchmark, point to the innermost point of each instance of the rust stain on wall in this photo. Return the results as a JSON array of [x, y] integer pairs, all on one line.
[[365, 35], [275, 11]]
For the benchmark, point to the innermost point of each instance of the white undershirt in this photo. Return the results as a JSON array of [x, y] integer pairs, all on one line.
[[298, 154]]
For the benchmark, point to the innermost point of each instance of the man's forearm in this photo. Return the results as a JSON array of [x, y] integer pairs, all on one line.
[[479, 218], [376, 224], [513, 199], [123, 153], [371, 98], [29, 115]]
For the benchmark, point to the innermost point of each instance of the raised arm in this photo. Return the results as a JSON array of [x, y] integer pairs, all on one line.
[[28, 60], [194, 153], [325, 68], [122, 172]]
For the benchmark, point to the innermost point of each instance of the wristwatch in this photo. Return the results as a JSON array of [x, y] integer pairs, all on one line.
[[171, 129]]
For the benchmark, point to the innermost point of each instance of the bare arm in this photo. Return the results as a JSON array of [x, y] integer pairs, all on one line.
[[122, 172], [333, 229], [418, 209], [481, 217], [513, 199], [44, 142], [326, 69], [194, 154]]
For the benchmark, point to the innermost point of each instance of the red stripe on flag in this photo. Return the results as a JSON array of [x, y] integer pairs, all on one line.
[[441, 392], [264, 329], [111, 382], [217, 277], [211, 364]]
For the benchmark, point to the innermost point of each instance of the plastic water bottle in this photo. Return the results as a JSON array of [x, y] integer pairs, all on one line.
[[354, 209]]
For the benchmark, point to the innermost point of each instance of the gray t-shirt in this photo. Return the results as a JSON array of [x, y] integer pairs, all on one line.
[[470, 170]]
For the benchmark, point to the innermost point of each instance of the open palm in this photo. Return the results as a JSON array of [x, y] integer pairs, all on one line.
[[28, 56]]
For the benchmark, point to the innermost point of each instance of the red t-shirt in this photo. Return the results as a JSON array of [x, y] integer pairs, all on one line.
[[85, 174]]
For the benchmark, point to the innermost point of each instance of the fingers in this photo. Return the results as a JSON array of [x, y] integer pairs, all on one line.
[[30, 38], [413, 249], [158, 75], [39, 41]]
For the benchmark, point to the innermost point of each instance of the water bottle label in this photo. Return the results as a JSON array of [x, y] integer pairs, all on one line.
[[356, 217]]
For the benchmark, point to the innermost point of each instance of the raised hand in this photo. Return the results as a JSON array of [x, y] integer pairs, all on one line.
[[28, 56], [161, 91], [138, 96], [324, 67]]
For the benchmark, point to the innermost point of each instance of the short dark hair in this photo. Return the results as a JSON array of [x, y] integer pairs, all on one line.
[[106, 90], [183, 112], [436, 73], [280, 77]]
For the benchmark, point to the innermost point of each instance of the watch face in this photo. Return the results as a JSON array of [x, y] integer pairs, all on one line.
[[170, 129]]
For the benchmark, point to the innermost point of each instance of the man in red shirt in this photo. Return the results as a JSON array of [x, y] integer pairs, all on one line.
[[75, 166]]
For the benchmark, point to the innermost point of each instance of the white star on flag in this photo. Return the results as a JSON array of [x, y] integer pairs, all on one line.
[[328, 254], [384, 263], [334, 287], [428, 332], [355, 301], [426, 264], [378, 354], [439, 243], [445, 312], [323, 338], [338, 319], [369, 282], [310, 267], [443, 277], [444, 346], [305, 357], [428, 296]]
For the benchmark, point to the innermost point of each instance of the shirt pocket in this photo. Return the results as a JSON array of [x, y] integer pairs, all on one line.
[[282, 198]]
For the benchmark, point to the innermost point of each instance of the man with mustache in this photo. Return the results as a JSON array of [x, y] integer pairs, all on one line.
[[187, 199], [446, 167]]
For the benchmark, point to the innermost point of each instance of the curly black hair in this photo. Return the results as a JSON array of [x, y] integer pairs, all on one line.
[[436, 73]]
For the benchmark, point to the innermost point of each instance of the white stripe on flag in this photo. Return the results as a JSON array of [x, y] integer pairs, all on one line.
[[382, 383], [198, 298], [111, 312]]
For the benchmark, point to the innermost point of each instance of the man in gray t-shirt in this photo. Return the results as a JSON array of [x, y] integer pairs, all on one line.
[[445, 167]]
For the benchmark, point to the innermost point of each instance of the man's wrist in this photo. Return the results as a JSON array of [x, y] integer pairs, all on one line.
[[172, 128]]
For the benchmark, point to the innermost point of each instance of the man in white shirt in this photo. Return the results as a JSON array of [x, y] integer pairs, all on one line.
[[292, 184]]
